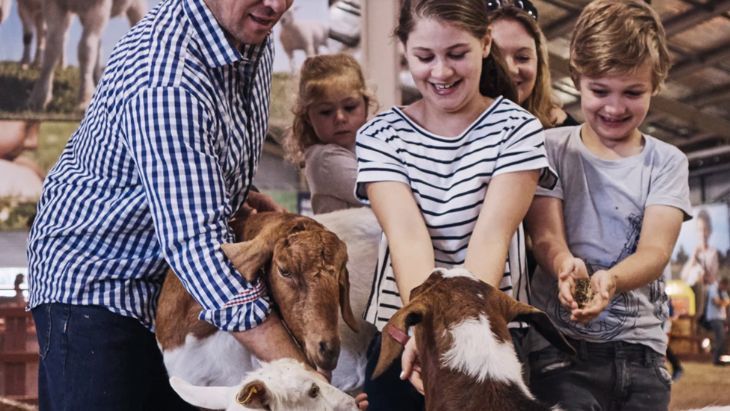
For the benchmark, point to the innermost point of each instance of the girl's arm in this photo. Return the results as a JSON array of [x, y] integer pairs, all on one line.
[[659, 231], [505, 204], [408, 239]]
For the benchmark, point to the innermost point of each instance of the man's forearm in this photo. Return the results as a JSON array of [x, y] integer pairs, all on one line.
[[270, 341]]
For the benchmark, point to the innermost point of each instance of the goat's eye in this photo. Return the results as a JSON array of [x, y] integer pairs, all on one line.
[[314, 390], [284, 272]]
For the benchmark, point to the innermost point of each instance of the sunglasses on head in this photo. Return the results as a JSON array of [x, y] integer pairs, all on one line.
[[524, 5]]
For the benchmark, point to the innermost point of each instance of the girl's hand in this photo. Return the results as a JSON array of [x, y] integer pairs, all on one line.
[[362, 401], [604, 287], [570, 270], [411, 365]]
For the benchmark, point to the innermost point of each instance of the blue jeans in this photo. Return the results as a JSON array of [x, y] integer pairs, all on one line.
[[718, 329], [92, 359], [606, 377]]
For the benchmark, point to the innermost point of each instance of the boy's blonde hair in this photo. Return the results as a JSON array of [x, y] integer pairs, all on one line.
[[616, 37], [318, 77]]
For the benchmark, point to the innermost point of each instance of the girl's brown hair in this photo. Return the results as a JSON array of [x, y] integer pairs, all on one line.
[[470, 16], [540, 102], [319, 75]]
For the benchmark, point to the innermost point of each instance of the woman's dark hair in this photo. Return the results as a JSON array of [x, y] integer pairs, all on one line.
[[470, 16]]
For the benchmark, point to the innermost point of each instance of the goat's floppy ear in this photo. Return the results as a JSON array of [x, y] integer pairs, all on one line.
[[542, 324], [214, 398], [390, 349], [344, 283], [254, 395], [249, 256]]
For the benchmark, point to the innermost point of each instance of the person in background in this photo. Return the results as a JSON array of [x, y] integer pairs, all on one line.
[[677, 369], [717, 303], [611, 221], [704, 260], [449, 177], [332, 104], [523, 47]]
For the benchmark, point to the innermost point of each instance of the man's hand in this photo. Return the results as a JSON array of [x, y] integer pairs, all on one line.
[[411, 365], [604, 288], [256, 202], [570, 270]]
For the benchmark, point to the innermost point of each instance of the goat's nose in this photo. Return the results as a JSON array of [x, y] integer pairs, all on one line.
[[328, 349]]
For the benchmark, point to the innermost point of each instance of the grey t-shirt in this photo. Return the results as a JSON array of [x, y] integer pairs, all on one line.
[[603, 206]]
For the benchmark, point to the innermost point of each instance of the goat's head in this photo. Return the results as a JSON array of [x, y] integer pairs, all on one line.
[[304, 266], [279, 385], [460, 323]]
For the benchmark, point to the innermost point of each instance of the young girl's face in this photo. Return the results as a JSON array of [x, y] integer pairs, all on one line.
[[446, 64], [337, 117], [520, 54]]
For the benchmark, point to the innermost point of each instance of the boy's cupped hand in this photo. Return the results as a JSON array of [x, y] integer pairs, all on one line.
[[571, 270], [603, 284]]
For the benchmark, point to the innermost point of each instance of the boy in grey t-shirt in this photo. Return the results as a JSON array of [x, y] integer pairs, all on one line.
[[613, 218]]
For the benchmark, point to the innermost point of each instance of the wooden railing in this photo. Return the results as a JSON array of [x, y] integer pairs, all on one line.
[[686, 339], [18, 354]]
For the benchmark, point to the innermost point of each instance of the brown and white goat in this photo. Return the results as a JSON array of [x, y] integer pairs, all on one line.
[[281, 385], [304, 268], [467, 358]]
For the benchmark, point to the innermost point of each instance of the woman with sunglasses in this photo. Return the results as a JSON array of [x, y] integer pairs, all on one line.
[[523, 47]]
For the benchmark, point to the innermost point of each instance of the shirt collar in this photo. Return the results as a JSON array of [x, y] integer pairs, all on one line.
[[214, 45]]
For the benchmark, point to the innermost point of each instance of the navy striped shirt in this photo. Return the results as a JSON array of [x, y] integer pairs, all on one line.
[[449, 177], [164, 156]]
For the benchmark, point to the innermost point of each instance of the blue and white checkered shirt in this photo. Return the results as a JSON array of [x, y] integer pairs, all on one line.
[[164, 156]]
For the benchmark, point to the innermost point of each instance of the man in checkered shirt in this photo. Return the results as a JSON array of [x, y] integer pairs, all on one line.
[[164, 156]]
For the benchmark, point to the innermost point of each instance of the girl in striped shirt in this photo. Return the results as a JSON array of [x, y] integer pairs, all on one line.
[[450, 176]]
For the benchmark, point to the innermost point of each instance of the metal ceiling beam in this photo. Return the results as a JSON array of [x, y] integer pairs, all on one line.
[[683, 21], [561, 26], [707, 58], [672, 25], [714, 96]]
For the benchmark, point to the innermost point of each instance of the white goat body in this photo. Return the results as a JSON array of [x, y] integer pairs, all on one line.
[[277, 386]]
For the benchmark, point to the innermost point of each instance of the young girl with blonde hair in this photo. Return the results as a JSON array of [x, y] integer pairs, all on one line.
[[332, 104]]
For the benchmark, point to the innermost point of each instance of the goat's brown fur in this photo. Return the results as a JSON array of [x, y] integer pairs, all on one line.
[[441, 302], [304, 267]]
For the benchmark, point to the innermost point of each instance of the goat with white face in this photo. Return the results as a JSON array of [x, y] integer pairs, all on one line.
[[304, 268], [467, 358], [277, 386]]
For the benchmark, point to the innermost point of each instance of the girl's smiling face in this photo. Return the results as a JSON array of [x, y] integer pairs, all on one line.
[[520, 54], [446, 64]]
